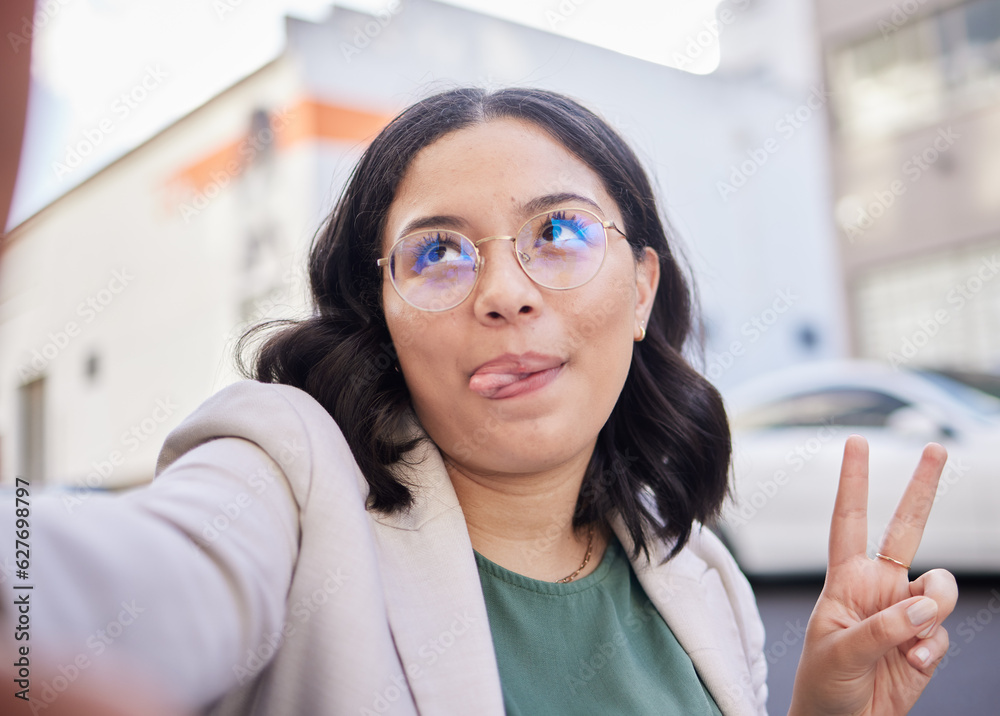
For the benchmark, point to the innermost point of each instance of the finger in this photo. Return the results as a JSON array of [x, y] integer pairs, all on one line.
[[849, 527], [902, 535], [926, 653], [869, 640], [939, 585]]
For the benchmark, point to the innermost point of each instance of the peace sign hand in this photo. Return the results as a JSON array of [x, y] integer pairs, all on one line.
[[875, 638]]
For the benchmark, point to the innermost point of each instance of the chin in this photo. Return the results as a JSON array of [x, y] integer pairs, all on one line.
[[495, 462], [526, 448]]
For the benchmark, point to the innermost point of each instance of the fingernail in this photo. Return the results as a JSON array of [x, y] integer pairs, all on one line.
[[923, 655], [920, 612]]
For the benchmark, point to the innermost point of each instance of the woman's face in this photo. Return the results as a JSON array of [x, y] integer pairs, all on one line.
[[564, 353]]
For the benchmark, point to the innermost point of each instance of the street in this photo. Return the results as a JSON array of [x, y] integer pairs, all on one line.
[[967, 683]]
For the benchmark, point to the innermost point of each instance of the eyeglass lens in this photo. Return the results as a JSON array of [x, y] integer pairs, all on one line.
[[436, 270]]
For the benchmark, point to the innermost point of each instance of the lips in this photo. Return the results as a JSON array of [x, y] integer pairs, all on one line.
[[511, 375]]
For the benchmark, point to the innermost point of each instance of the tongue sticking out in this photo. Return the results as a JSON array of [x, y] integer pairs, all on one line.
[[486, 384]]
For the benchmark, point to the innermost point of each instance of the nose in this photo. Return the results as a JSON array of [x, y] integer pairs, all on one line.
[[504, 293]]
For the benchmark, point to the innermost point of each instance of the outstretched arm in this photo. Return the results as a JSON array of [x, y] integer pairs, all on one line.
[[875, 638], [173, 582]]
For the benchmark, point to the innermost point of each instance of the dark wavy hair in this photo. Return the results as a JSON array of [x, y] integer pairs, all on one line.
[[666, 446]]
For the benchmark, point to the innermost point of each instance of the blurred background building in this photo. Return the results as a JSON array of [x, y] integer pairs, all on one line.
[[121, 300], [916, 141], [832, 184]]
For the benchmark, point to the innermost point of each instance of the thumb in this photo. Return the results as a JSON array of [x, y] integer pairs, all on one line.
[[911, 618]]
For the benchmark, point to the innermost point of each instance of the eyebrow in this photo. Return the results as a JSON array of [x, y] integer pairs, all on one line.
[[541, 203], [529, 208]]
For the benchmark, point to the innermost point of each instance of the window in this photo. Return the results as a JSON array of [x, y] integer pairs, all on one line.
[[972, 48], [884, 83], [931, 311], [32, 457], [915, 70], [836, 406]]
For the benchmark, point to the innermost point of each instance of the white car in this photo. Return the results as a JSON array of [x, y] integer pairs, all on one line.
[[789, 430]]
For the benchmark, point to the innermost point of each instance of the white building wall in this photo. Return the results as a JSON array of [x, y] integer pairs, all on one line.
[[164, 340], [165, 294], [771, 237]]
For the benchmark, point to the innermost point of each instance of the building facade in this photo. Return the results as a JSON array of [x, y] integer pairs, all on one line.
[[916, 137], [121, 301]]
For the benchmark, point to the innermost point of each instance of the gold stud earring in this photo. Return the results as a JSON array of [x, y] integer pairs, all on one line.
[[642, 332]]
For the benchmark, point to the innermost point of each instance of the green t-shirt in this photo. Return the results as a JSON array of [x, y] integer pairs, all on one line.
[[596, 645]]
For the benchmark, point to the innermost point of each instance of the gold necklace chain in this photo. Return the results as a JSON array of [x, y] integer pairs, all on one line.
[[586, 559]]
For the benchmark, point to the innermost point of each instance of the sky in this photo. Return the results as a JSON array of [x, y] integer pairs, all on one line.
[[92, 58]]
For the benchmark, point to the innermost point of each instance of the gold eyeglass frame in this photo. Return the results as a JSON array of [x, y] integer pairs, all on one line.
[[481, 260]]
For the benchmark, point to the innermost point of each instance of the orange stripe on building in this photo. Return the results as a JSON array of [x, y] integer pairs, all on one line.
[[307, 120], [314, 120]]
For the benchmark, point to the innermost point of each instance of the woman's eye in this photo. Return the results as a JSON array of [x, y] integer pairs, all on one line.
[[551, 231], [436, 253], [558, 228], [436, 249]]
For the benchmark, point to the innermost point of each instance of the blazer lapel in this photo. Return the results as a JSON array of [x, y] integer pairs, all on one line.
[[438, 616], [690, 597], [434, 597]]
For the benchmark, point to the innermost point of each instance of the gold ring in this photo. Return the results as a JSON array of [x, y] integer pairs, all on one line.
[[892, 559]]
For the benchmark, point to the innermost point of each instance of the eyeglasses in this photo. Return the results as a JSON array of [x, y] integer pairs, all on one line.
[[435, 270]]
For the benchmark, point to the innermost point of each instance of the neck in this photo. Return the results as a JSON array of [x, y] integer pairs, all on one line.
[[524, 523]]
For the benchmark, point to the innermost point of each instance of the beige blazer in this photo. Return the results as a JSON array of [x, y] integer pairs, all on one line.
[[268, 588]]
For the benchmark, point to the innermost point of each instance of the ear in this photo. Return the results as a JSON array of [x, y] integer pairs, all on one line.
[[647, 280]]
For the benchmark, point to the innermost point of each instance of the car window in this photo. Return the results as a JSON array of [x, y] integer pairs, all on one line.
[[835, 406], [980, 392]]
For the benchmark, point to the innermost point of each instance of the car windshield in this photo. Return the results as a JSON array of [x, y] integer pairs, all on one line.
[[977, 401], [833, 405]]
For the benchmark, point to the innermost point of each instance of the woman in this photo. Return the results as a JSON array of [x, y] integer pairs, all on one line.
[[474, 481]]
